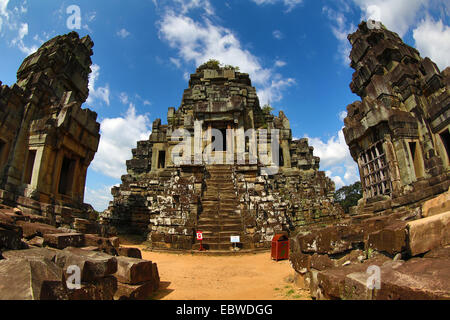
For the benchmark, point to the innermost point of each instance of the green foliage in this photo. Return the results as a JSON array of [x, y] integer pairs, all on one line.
[[215, 64], [267, 109], [230, 67], [211, 64], [348, 196]]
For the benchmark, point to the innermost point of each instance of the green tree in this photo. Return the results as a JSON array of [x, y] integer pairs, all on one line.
[[267, 109], [348, 196]]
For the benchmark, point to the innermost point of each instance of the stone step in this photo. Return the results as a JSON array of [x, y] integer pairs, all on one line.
[[223, 212], [217, 228], [218, 221]]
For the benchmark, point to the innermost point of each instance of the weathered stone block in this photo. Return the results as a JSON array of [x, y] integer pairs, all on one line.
[[31, 230], [428, 233], [416, 279], [392, 239], [64, 240], [100, 289], [93, 265], [10, 237], [34, 279], [141, 291], [130, 252], [321, 262], [133, 271]]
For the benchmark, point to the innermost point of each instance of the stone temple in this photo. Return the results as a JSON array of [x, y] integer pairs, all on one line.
[[222, 165], [47, 140], [399, 132]]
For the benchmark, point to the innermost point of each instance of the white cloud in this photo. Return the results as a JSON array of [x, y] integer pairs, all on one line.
[[396, 15], [198, 42], [98, 198], [433, 40], [176, 62], [277, 34], [340, 28], [272, 92], [123, 97], [187, 5], [101, 93], [123, 33], [280, 63], [289, 4], [336, 159], [118, 137]]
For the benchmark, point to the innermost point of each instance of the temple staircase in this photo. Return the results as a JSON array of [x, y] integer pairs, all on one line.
[[221, 217]]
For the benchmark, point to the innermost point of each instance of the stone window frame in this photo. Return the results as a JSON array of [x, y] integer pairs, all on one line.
[[445, 149], [374, 171], [3, 152]]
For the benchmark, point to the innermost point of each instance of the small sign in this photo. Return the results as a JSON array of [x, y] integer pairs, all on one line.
[[199, 235], [235, 239]]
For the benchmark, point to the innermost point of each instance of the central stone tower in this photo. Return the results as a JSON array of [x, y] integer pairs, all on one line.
[[222, 165]]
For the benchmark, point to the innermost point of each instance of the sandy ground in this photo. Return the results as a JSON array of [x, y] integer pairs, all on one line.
[[246, 277]]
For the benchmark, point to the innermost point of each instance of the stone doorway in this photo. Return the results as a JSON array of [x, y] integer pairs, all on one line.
[[66, 176]]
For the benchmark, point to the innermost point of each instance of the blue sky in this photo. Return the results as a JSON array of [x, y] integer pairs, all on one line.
[[295, 51]]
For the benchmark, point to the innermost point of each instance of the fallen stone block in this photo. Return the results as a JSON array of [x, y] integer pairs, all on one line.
[[86, 226], [91, 248], [155, 277], [365, 284], [31, 230], [321, 262], [10, 237], [32, 253], [332, 281], [330, 240], [7, 217], [429, 233], [34, 279], [300, 262], [416, 279], [391, 239], [104, 244], [134, 292], [437, 205], [129, 252], [100, 289], [64, 240], [133, 271], [34, 218], [93, 265], [36, 242]]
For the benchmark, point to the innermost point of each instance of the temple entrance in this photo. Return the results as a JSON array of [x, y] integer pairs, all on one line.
[[29, 167], [161, 159], [445, 137], [219, 142], [66, 176], [417, 159]]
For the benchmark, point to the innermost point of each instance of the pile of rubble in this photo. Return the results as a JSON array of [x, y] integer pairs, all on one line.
[[396, 243], [40, 262], [407, 259]]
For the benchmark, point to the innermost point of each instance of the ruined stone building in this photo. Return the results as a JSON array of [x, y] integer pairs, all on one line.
[[256, 182], [399, 132], [399, 136], [47, 141]]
